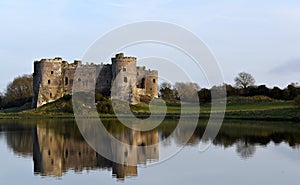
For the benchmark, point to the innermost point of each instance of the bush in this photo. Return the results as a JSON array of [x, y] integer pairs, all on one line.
[[297, 101]]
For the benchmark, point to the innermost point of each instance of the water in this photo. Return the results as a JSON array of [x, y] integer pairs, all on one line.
[[244, 152]]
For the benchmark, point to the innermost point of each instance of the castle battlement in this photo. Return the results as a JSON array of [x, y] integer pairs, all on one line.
[[53, 78]]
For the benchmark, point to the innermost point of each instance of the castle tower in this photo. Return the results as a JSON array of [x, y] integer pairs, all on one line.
[[47, 81], [124, 78], [152, 83]]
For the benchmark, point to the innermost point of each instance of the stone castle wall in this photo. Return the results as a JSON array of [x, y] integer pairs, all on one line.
[[55, 154], [53, 78]]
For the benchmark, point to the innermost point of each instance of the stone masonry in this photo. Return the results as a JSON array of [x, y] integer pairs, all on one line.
[[53, 78]]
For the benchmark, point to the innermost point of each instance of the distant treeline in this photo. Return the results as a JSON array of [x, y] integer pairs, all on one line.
[[170, 92]]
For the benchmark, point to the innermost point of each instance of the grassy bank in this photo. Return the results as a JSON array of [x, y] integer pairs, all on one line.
[[247, 108]]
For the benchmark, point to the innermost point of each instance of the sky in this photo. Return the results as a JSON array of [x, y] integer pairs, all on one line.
[[258, 37]]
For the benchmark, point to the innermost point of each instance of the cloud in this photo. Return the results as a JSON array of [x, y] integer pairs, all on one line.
[[291, 66]]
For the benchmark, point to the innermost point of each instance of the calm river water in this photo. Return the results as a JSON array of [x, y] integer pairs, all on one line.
[[244, 152]]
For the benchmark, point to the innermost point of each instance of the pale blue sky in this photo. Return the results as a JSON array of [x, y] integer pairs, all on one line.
[[259, 37]]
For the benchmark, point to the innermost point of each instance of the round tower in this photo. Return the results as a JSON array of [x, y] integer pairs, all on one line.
[[152, 83], [47, 81], [124, 78]]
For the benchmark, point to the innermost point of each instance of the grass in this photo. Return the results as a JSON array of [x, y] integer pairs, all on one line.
[[248, 108]]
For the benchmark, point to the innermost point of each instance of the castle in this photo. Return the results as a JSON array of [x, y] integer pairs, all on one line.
[[54, 154], [53, 78]]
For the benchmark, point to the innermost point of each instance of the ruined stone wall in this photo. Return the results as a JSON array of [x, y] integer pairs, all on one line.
[[53, 78], [68, 77], [86, 77], [104, 79], [147, 82]]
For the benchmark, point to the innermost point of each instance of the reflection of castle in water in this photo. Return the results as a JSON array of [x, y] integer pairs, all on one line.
[[58, 146], [54, 154]]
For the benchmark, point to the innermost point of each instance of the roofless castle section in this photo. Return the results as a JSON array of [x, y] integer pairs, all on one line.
[[123, 79]]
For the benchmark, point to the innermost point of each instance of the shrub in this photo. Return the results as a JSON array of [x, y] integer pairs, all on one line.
[[297, 101]]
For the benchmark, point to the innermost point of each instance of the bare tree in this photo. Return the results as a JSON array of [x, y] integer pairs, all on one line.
[[19, 90], [187, 91], [244, 80]]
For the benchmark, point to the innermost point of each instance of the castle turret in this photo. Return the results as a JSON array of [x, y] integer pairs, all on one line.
[[47, 81], [124, 78]]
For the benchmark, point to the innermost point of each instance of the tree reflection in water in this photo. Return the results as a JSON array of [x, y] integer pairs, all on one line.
[[57, 145], [245, 149]]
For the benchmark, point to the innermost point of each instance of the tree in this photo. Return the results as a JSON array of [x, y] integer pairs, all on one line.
[[244, 80], [1, 100], [166, 91], [204, 95], [187, 91], [276, 93], [245, 149], [297, 101], [231, 91], [19, 91], [290, 92]]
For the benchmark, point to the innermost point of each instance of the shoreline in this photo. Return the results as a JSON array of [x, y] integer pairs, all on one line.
[[290, 114]]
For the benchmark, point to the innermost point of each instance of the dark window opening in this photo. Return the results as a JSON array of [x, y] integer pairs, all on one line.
[[124, 69], [126, 153], [52, 72], [50, 95], [150, 89], [154, 81], [79, 79], [125, 79], [49, 152], [49, 81], [143, 83], [66, 81], [107, 81]]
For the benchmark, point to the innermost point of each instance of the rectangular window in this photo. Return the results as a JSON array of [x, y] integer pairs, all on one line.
[[49, 81], [124, 68], [50, 95], [66, 81], [154, 81], [125, 79], [52, 72]]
